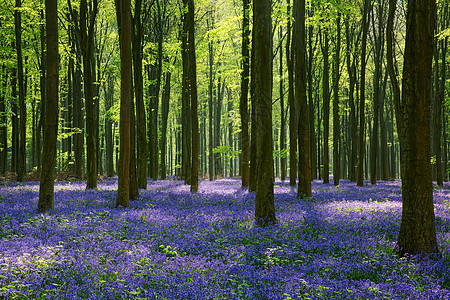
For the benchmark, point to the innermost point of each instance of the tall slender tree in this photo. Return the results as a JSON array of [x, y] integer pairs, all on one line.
[[378, 41], [46, 190], [362, 97], [326, 107], [304, 152], [351, 69], [124, 20], [192, 75], [21, 168], [336, 121], [243, 102], [417, 233], [262, 45], [137, 47], [291, 101], [282, 114]]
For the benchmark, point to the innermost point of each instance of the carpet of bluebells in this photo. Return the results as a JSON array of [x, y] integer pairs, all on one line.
[[171, 244]]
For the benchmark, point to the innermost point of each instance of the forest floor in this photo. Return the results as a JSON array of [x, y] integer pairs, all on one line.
[[171, 244]]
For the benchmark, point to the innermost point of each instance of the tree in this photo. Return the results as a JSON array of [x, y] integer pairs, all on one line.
[[262, 45], [164, 120], [124, 20], [21, 168], [362, 97], [351, 69], [46, 190], [291, 101], [417, 233], [243, 109], [186, 140], [191, 76], [326, 107], [3, 124], [336, 121], [304, 153], [139, 94], [282, 114], [378, 59]]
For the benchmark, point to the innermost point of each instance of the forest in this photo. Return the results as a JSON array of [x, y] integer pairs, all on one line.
[[224, 149]]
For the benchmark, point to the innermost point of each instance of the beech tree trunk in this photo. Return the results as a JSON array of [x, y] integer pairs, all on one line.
[[217, 119], [46, 185], [191, 86], [109, 98], [139, 95], [21, 168], [312, 133], [362, 97], [243, 102], [304, 152], [378, 33], [14, 123], [262, 45], [336, 121], [124, 20], [282, 114], [291, 101], [326, 109], [417, 233], [164, 119], [351, 69], [3, 123], [186, 103], [210, 99]]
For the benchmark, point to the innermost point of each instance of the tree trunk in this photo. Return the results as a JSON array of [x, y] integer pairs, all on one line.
[[378, 59], [217, 119], [283, 119], [383, 132], [362, 97], [124, 21], [445, 23], [78, 122], [417, 233], [264, 200], [3, 123], [109, 98], [291, 101], [253, 129], [139, 95], [336, 121], [189, 25], [21, 168], [14, 123], [230, 131], [243, 102], [326, 109], [186, 104], [164, 116], [312, 133], [304, 154], [41, 105], [210, 100], [46, 190], [351, 69], [134, 191]]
